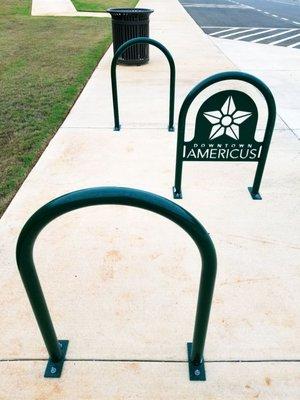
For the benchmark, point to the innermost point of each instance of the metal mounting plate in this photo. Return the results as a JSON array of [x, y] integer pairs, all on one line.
[[197, 372], [255, 196], [53, 369], [176, 195]]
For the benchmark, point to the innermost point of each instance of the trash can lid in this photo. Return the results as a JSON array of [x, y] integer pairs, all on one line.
[[124, 11]]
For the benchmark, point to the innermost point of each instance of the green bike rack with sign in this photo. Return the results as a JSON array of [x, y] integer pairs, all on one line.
[[121, 196], [225, 128], [117, 54]]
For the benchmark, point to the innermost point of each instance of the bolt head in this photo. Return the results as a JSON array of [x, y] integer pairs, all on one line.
[[53, 370], [197, 372]]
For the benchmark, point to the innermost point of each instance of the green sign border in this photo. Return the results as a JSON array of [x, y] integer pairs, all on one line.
[[224, 76]]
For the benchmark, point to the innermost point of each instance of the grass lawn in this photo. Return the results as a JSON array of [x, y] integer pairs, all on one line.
[[102, 5], [44, 64]]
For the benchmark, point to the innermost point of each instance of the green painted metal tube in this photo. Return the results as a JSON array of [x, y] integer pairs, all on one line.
[[169, 57], [120, 196]]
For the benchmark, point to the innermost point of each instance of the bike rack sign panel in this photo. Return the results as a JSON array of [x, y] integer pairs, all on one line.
[[225, 128]]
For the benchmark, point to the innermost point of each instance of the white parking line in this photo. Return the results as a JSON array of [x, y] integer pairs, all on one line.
[[275, 34], [238, 32], [282, 2], [285, 39], [294, 45], [224, 30], [257, 33], [235, 33], [207, 5], [239, 27], [267, 13]]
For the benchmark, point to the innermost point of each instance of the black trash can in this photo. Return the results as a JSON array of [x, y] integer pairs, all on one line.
[[130, 23]]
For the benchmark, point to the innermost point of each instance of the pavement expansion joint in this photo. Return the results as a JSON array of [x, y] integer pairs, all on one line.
[[150, 360]]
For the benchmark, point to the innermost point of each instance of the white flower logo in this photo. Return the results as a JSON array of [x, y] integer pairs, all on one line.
[[226, 121]]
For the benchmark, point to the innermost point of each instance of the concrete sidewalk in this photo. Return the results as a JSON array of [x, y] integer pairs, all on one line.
[[61, 8], [121, 283], [278, 67]]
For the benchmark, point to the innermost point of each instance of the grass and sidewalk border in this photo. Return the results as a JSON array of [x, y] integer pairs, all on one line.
[[40, 81]]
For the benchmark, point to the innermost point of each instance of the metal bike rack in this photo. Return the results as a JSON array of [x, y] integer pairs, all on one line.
[[214, 101], [122, 196], [120, 51]]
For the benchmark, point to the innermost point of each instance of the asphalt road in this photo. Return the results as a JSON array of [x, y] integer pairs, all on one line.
[[275, 22], [283, 9]]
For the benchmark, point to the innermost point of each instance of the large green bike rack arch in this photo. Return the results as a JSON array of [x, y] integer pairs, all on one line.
[[261, 148], [122, 196], [169, 57]]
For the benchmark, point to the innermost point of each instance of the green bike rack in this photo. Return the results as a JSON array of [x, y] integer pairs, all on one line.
[[121, 196], [117, 54], [225, 128]]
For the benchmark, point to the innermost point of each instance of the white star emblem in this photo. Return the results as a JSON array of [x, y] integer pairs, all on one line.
[[226, 121]]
